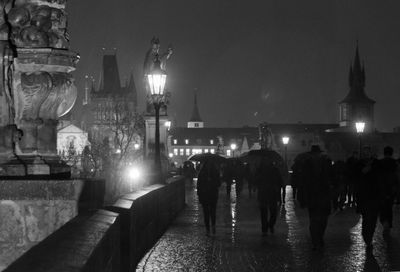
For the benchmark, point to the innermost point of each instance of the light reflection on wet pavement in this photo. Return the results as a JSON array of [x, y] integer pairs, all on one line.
[[239, 246]]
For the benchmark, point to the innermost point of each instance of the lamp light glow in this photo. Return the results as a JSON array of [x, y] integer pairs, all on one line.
[[285, 140], [360, 127]]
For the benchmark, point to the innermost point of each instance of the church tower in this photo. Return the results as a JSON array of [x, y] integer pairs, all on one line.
[[195, 121], [357, 106]]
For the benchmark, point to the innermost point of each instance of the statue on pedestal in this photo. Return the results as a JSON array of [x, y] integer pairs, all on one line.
[[151, 56], [36, 85]]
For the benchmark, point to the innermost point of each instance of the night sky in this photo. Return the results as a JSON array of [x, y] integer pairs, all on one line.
[[251, 61]]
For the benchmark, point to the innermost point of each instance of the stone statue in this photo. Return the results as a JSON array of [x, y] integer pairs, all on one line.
[[266, 137], [36, 85], [151, 56]]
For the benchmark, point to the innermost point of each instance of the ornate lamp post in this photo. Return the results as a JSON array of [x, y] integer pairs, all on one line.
[[233, 148], [360, 130], [157, 79], [285, 141]]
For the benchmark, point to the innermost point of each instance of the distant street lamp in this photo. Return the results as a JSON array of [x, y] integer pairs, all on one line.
[[360, 130], [157, 79], [233, 148], [285, 141]]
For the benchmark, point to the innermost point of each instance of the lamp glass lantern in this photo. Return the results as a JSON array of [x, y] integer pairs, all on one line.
[[285, 140], [360, 126], [157, 79]]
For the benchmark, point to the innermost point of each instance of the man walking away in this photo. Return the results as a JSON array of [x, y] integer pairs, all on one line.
[[208, 183], [368, 195], [269, 182], [317, 188], [389, 181]]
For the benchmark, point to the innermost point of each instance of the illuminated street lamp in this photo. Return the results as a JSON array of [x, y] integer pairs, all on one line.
[[360, 130], [233, 148], [285, 141], [136, 146], [168, 124], [157, 79]]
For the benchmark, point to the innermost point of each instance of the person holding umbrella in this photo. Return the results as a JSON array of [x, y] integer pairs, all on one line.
[[208, 183]]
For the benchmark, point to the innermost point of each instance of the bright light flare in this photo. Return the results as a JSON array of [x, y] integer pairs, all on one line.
[[134, 174], [285, 140], [360, 127], [233, 146], [157, 83]]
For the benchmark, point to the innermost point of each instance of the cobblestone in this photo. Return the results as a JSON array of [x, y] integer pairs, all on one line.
[[239, 246]]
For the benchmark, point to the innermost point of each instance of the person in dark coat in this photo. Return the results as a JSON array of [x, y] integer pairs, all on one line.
[[338, 185], [368, 195], [351, 178], [268, 181], [239, 176], [250, 178], [208, 183], [388, 181], [228, 176], [317, 190]]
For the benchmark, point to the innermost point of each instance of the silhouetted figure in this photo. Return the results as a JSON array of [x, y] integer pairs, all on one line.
[[352, 175], [298, 178], [208, 183], [317, 189], [238, 176], [188, 170], [269, 182], [250, 178], [228, 176], [338, 185], [388, 181], [368, 195]]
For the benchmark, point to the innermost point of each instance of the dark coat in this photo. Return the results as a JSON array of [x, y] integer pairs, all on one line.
[[388, 178], [269, 182], [208, 183], [317, 175], [368, 187]]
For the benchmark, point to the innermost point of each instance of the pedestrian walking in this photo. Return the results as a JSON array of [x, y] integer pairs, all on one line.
[[388, 181], [250, 178], [368, 195], [228, 176], [269, 182], [338, 185], [208, 184], [238, 176], [317, 190], [352, 176]]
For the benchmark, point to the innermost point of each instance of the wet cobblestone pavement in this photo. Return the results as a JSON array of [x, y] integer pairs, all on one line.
[[239, 246]]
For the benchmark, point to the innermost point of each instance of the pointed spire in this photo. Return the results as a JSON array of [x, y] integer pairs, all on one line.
[[351, 75], [111, 80], [195, 113], [357, 81]]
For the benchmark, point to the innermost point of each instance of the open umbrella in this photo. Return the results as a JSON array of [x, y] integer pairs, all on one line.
[[215, 158], [254, 158]]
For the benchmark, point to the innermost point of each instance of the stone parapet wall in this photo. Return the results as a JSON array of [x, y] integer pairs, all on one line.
[[86, 243], [114, 239], [31, 210], [145, 215]]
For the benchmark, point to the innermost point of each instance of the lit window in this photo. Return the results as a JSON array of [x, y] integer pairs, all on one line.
[[186, 141], [181, 152], [228, 152], [211, 141], [175, 141], [187, 152], [206, 150], [176, 151], [212, 151]]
